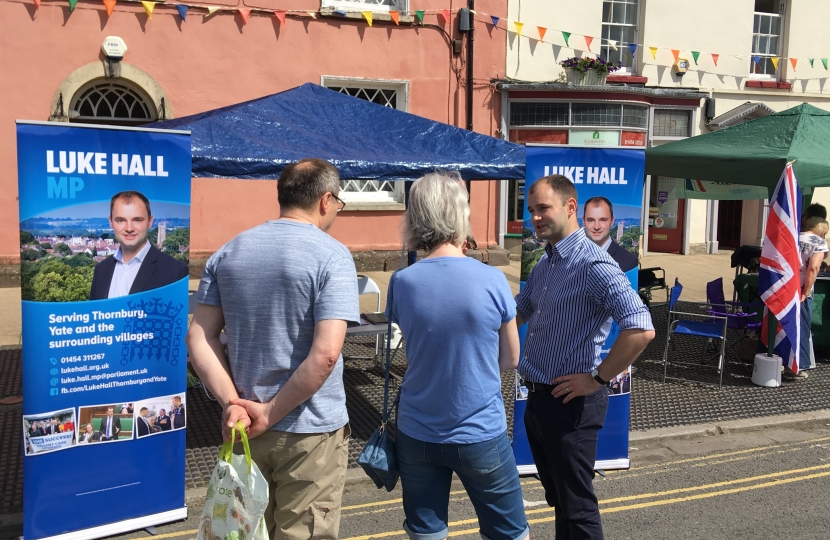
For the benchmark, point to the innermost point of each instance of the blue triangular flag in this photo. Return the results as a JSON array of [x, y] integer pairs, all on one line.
[[182, 11], [495, 20], [339, 12], [633, 48], [756, 59]]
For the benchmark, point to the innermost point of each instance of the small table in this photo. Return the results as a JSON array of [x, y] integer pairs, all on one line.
[[368, 329]]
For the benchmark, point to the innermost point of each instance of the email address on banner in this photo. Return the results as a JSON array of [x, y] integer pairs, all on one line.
[[113, 384]]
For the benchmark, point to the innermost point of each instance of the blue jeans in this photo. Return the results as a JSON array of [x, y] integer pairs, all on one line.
[[488, 472], [806, 331]]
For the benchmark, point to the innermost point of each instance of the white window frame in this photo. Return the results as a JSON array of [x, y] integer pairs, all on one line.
[[782, 6], [364, 5], [692, 122], [625, 70], [373, 200]]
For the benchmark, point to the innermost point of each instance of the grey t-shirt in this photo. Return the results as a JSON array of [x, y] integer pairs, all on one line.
[[273, 283]]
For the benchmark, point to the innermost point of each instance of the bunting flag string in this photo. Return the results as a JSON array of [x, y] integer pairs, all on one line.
[[420, 15], [824, 62], [757, 60], [395, 16], [280, 15], [695, 55], [542, 31], [676, 54], [148, 8], [653, 52], [445, 13], [775, 60], [182, 9], [495, 20], [631, 47], [312, 14], [519, 27], [72, 4], [244, 13], [212, 10], [811, 61], [109, 5], [567, 36], [588, 40], [612, 44], [37, 5], [368, 16], [715, 59], [793, 61]]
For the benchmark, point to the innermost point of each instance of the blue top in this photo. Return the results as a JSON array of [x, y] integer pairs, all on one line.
[[450, 310], [570, 294]]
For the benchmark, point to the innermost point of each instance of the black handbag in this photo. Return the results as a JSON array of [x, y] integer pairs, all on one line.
[[378, 456]]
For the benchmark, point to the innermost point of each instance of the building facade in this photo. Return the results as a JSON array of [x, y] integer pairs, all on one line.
[[687, 67], [183, 59]]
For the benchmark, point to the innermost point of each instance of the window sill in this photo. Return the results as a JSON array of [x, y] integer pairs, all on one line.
[[367, 206], [626, 78], [379, 13], [768, 84]]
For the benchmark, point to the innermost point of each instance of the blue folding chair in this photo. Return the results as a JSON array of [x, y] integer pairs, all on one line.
[[711, 327]]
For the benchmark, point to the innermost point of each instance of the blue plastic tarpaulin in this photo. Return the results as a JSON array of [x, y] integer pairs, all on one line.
[[258, 138]]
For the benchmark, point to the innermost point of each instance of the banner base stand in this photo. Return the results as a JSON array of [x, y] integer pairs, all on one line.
[[605, 465], [121, 527]]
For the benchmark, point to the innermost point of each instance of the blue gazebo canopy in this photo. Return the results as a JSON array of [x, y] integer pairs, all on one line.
[[257, 139]]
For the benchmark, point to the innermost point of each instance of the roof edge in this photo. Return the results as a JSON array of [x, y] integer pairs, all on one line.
[[643, 91]]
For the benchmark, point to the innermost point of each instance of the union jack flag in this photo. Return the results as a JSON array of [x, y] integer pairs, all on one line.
[[779, 280]]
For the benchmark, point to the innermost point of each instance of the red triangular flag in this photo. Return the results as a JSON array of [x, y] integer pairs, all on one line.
[[280, 13], [446, 14], [542, 31], [676, 53], [395, 16], [244, 13], [793, 61], [588, 40], [109, 4], [715, 58], [37, 5]]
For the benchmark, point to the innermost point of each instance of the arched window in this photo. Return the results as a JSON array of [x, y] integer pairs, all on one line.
[[111, 102]]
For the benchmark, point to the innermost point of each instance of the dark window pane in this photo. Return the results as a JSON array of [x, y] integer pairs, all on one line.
[[538, 114], [596, 114]]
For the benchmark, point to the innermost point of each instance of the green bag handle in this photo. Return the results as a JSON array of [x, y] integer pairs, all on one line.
[[226, 452]]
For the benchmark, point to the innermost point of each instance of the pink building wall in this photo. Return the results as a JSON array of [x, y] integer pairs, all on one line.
[[205, 63]]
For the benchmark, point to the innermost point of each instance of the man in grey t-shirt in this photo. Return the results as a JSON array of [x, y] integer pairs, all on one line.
[[285, 292]]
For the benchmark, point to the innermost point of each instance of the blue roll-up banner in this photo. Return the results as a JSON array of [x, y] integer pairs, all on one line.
[[617, 175], [104, 381]]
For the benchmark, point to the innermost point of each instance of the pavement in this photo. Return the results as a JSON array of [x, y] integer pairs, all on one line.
[[660, 411]]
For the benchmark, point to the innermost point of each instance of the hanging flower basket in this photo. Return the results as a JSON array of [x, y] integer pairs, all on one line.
[[588, 71]]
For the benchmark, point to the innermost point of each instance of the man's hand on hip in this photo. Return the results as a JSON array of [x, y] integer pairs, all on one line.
[[571, 386]]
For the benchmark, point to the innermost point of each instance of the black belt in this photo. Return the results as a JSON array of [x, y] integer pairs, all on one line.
[[538, 387]]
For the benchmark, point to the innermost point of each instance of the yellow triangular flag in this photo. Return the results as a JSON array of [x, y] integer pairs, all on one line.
[[212, 10], [775, 60], [148, 8], [368, 16], [653, 52], [519, 27]]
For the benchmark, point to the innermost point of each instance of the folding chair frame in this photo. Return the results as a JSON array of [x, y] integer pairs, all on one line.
[[673, 322]]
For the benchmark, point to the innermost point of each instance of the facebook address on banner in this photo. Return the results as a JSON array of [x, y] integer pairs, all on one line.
[[111, 384]]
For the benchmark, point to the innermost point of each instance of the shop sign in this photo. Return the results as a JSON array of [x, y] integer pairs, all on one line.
[[662, 196], [600, 139], [633, 138]]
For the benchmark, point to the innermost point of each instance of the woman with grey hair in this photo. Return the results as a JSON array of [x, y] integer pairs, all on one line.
[[458, 318]]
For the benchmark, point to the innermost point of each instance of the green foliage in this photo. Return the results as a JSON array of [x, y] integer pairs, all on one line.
[[31, 255], [80, 260], [63, 249], [67, 287], [46, 245], [153, 236], [104, 236], [26, 238]]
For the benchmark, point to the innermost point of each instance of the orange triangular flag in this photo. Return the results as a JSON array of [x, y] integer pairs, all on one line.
[[109, 4], [244, 13], [280, 14], [653, 52], [148, 8], [368, 16], [675, 53], [542, 31], [37, 5], [395, 16], [793, 61], [715, 58], [588, 40], [519, 26], [446, 14]]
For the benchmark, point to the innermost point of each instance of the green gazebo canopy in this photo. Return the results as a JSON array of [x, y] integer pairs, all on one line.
[[754, 153]]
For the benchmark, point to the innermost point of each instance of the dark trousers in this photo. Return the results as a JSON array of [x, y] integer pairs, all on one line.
[[563, 440]]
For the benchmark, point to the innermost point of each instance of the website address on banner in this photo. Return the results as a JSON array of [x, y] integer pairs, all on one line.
[[113, 384]]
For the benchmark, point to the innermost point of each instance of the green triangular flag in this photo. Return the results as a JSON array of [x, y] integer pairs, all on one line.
[[811, 61], [824, 61], [420, 14], [695, 54], [567, 36], [72, 5]]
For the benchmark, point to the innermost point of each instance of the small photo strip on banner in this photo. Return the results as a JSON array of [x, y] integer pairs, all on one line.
[[49, 431], [621, 384], [159, 415], [105, 423]]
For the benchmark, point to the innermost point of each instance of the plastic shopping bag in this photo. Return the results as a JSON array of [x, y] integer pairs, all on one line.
[[236, 496]]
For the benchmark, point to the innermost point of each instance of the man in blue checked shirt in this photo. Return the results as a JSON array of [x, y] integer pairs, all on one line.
[[575, 287]]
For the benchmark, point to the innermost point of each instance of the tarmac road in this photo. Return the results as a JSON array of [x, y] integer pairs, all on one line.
[[762, 484]]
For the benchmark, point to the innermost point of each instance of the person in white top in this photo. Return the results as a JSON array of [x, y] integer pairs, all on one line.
[[813, 249]]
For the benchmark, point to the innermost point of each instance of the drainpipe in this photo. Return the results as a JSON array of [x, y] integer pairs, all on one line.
[[470, 42]]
